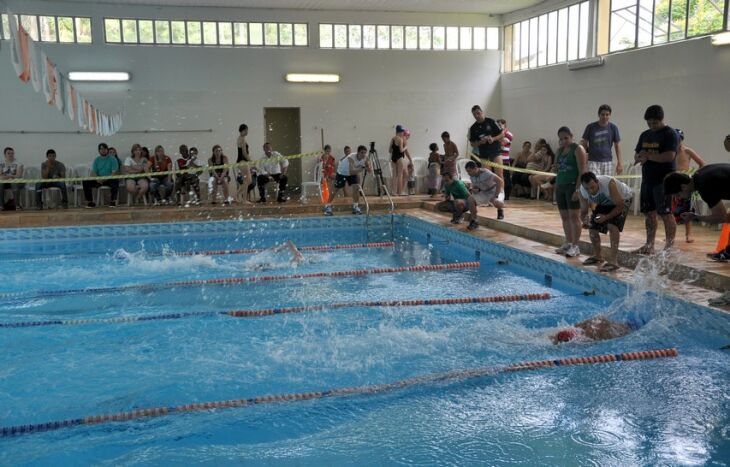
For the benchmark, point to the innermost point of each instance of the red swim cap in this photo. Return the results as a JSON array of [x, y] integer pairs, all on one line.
[[566, 335]]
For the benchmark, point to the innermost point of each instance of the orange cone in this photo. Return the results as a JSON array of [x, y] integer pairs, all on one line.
[[723, 240], [325, 190]]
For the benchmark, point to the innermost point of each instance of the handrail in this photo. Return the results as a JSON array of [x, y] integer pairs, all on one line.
[[367, 206]]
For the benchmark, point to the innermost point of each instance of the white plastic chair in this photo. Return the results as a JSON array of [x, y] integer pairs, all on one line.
[[635, 184], [420, 170], [81, 170], [316, 184], [461, 170], [29, 190]]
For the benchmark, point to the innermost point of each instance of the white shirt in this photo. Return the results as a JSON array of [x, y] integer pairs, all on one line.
[[343, 168], [485, 181], [603, 197], [273, 164]]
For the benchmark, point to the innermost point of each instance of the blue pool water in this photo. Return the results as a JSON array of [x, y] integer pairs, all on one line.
[[659, 412]]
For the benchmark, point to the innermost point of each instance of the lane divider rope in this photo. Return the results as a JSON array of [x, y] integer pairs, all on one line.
[[242, 280], [282, 310], [340, 392]]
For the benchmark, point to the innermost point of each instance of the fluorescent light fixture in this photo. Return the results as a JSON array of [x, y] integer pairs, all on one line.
[[312, 78], [98, 76], [721, 39], [585, 63]]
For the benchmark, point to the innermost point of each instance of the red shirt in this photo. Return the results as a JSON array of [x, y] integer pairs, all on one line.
[[328, 166], [161, 166]]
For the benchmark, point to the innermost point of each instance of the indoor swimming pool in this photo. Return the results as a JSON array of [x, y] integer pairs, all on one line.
[[389, 341]]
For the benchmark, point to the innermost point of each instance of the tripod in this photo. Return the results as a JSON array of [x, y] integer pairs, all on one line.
[[377, 170]]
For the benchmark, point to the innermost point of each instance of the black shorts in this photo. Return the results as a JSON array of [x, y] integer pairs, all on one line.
[[521, 179], [349, 179], [618, 221], [564, 197], [654, 199]]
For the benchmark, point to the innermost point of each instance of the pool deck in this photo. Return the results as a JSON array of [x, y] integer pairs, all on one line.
[[529, 225]]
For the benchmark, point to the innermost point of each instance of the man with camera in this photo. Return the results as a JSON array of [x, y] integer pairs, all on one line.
[[348, 173]]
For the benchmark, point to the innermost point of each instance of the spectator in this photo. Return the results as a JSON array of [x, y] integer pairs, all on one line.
[[244, 178], [598, 138], [571, 164], [136, 164], [411, 172], [9, 170], [713, 184], [348, 172], [218, 177], [160, 163], [329, 167], [486, 134], [458, 201], [113, 153], [187, 182], [51, 169], [451, 153], [486, 187], [656, 151], [543, 160], [434, 170], [612, 201], [104, 166], [506, 144], [521, 180], [685, 156], [397, 149], [273, 169]]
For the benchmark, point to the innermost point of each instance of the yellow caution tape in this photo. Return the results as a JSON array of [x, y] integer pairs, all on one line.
[[167, 172]]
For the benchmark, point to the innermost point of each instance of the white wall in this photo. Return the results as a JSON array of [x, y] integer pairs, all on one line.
[[689, 79], [184, 88]]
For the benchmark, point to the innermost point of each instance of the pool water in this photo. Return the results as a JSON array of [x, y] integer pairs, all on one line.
[[659, 412]]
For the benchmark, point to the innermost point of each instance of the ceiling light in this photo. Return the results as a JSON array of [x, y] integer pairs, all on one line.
[[721, 39], [98, 76], [312, 78]]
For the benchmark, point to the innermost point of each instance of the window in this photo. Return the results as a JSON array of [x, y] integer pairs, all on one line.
[[129, 30], [554, 37], [356, 36], [225, 33], [181, 32], [30, 24], [146, 32], [48, 29], [641, 23]]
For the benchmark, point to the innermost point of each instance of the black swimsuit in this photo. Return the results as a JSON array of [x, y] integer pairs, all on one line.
[[395, 152]]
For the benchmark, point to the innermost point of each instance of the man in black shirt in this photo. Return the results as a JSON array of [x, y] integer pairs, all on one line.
[[656, 152], [486, 134]]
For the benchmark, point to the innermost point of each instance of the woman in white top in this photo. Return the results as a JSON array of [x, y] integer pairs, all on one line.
[[136, 163], [9, 169]]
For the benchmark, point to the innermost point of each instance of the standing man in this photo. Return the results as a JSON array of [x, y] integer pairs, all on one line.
[[486, 135], [598, 138], [486, 187], [612, 201], [656, 152], [273, 169], [348, 172], [51, 169], [104, 165]]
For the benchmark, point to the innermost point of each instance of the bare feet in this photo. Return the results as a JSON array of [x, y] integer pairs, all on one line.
[[689, 239], [646, 250]]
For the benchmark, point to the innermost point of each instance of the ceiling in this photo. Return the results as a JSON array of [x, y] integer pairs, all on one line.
[[496, 7]]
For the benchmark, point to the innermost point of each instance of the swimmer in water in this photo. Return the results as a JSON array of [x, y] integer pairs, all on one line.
[[297, 256], [597, 328]]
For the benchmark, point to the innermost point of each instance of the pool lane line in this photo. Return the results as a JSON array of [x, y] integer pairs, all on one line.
[[281, 310], [340, 392], [351, 246], [241, 280]]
